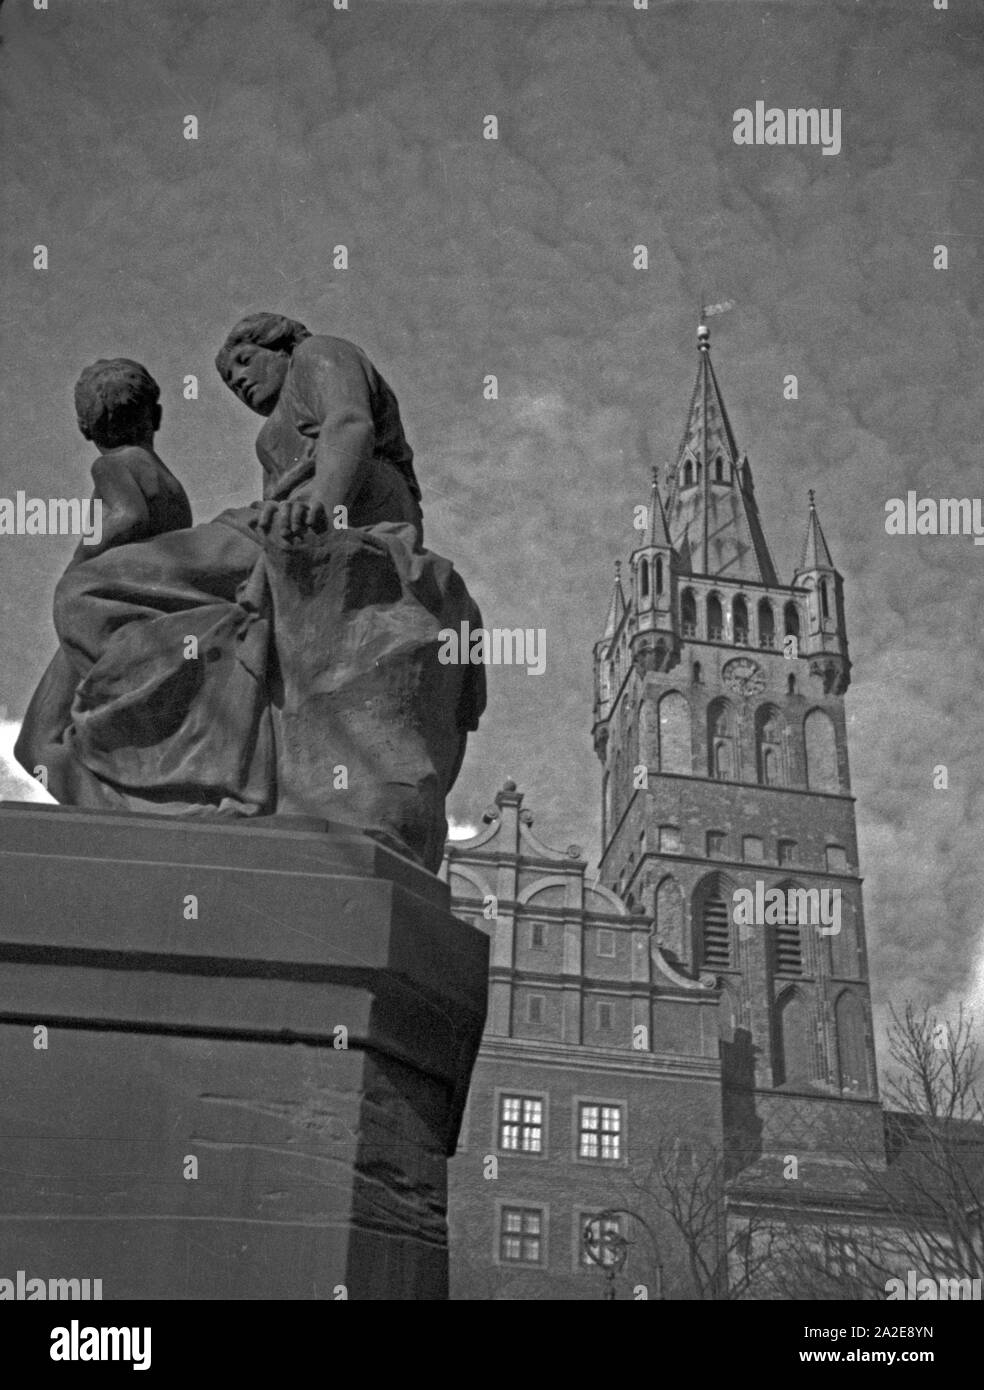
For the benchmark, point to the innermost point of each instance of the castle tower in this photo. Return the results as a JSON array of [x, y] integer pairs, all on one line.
[[719, 722]]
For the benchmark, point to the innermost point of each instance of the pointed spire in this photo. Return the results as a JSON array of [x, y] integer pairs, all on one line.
[[713, 516], [816, 555], [616, 609], [708, 430]]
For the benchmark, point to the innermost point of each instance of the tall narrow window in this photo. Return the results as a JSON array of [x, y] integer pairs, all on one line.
[[767, 624], [821, 752], [688, 474], [670, 919], [712, 916], [674, 734], [715, 619], [794, 1062], [852, 1052], [719, 470], [721, 741], [824, 603], [770, 746], [786, 941], [791, 619], [739, 618], [688, 613], [659, 574], [644, 578]]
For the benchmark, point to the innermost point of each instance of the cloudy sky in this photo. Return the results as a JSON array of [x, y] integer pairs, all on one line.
[[319, 127]]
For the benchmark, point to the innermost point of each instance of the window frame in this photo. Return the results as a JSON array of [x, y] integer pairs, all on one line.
[[581, 1263], [529, 1021], [504, 1204], [606, 934], [499, 1095], [578, 1103]]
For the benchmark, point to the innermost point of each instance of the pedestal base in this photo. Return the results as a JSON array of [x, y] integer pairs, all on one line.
[[234, 1058]]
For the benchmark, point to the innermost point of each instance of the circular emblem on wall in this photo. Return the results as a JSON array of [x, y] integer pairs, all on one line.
[[743, 676]]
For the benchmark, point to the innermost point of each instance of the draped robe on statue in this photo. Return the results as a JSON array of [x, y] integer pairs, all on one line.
[[218, 671]]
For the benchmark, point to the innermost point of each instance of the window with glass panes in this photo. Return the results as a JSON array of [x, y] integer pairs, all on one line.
[[600, 1131], [521, 1124], [596, 1234], [521, 1235]]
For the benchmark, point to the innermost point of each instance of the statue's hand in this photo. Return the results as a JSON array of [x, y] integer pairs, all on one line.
[[291, 520]]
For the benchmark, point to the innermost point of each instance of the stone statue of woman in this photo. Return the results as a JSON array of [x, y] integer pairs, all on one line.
[[282, 658]]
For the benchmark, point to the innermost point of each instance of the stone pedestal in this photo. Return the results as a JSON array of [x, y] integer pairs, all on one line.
[[234, 1057]]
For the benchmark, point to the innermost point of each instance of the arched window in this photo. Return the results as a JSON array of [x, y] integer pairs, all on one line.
[[795, 1049], [844, 958], [821, 752], [770, 746], [791, 619], [644, 578], [670, 920], [785, 939], [739, 620], [713, 897], [719, 470], [852, 1052], [767, 624], [648, 736], [824, 602], [675, 754], [688, 613], [659, 574], [715, 619], [688, 474], [721, 741]]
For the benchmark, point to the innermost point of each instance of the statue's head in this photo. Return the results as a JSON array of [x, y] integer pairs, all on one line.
[[253, 360], [116, 402]]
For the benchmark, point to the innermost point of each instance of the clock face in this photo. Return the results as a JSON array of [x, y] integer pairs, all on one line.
[[743, 676]]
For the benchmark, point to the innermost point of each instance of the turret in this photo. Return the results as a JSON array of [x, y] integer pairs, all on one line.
[[654, 638], [824, 640]]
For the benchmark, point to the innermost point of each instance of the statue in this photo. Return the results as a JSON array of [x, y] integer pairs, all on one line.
[[283, 657]]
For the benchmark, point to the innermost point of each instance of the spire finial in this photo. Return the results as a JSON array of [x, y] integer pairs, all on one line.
[[618, 571], [812, 504]]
